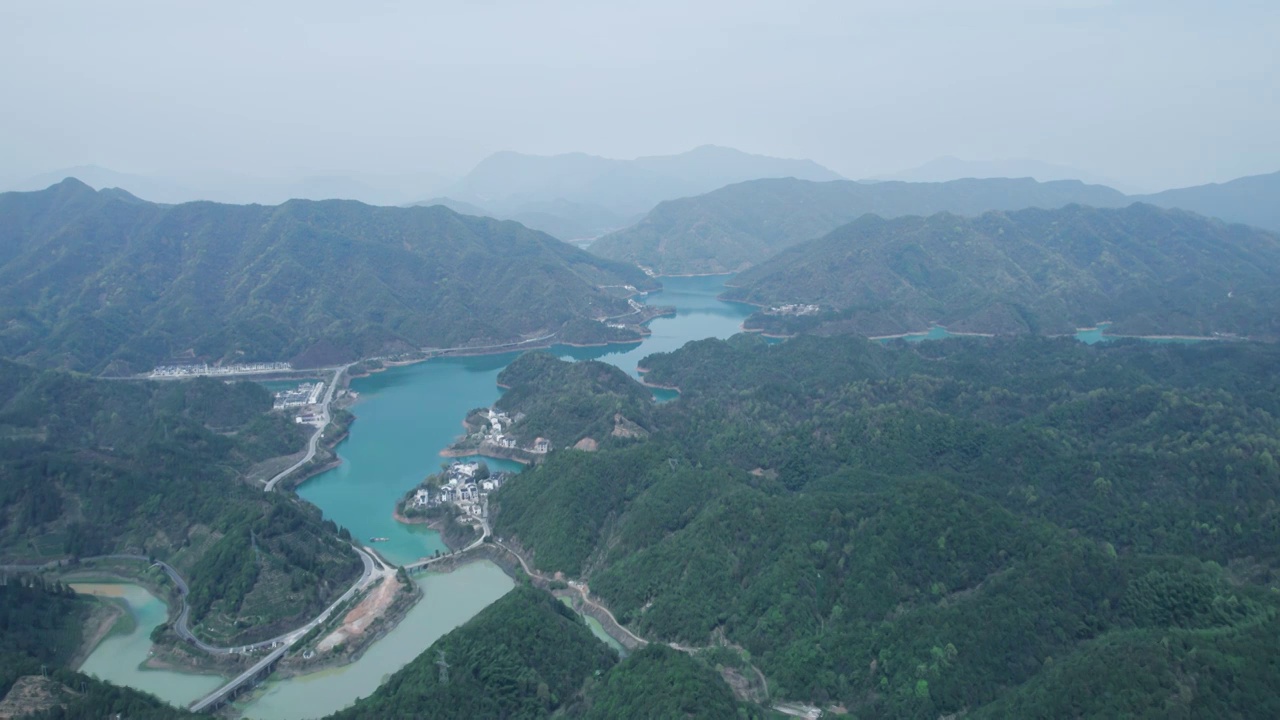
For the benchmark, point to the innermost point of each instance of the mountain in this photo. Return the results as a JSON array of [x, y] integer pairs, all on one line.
[[589, 194], [740, 225], [1150, 271], [1253, 200], [105, 282], [224, 187], [569, 221], [942, 528], [948, 168]]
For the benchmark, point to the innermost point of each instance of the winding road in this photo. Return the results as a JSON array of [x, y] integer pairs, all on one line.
[[314, 443]]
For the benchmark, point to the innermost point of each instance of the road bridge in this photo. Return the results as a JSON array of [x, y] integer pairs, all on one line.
[[373, 569], [244, 680]]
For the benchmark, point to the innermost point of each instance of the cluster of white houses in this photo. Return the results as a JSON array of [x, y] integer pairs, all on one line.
[[794, 309], [499, 424], [460, 487], [196, 369]]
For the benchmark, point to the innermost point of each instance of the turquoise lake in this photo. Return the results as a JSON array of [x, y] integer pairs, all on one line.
[[407, 415]]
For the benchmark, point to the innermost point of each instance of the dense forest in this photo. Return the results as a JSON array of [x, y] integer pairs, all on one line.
[[102, 282], [524, 656], [913, 530], [529, 656], [566, 402], [40, 629], [1149, 271], [90, 467]]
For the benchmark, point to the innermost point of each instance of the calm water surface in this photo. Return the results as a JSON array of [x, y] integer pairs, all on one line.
[[119, 658], [449, 600], [407, 415]]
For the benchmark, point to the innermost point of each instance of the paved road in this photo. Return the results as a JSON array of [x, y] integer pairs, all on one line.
[[373, 571], [484, 527], [314, 443]]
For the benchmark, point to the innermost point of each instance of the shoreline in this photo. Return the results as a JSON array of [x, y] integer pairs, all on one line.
[[102, 619], [642, 371], [451, 452]]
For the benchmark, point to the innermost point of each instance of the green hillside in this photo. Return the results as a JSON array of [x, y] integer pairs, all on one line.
[[1149, 271], [91, 467], [105, 283], [529, 656], [524, 656], [966, 525], [566, 402], [741, 225]]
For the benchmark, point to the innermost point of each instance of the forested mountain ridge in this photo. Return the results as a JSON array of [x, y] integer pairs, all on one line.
[[566, 403], [1147, 270], [965, 525], [104, 282], [741, 225], [91, 467]]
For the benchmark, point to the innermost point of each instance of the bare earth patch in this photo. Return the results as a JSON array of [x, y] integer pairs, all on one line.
[[587, 444], [33, 694], [362, 615]]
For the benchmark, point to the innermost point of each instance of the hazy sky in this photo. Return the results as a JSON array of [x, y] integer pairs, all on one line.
[[1157, 93]]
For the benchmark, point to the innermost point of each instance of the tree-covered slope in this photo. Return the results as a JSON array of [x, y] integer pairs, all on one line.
[[93, 467], [915, 531], [525, 656], [529, 656], [566, 402], [1149, 271], [658, 682], [741, 225], [40, 629], [104, 282]]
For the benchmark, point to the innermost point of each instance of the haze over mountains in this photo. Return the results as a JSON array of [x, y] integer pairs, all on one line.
[[948, 168], [243, 189], [740, 225], [103, 281], [1148, 270], [584, 195]]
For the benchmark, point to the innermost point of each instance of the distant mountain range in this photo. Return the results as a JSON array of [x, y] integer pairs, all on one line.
[[577, 196], [1149, 270], [103, 282], [1253, 200], [245, 189], [948, 168], [740, 225]]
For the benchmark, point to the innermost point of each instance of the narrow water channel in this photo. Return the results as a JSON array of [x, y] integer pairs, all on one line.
[[120, 658], [448, 600]]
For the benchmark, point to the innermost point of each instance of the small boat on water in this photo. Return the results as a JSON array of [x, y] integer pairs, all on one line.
[[377, 539]]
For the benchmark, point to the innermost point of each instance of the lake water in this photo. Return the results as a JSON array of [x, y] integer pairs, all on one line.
[[449, 600], [407, 415], [119, 658]]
